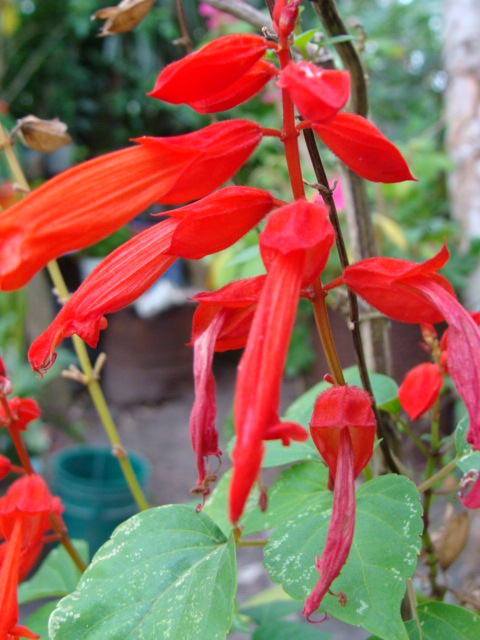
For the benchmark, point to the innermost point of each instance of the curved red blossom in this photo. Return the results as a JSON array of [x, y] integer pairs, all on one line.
[[240, 91], [388, 285], [343, 430], [318, 93], [360, 145], [217, 221], [21, 412], [90, 201], [205, 73], [214, 324], [420, 389], [132, 268], [9, 578], [294, 245]]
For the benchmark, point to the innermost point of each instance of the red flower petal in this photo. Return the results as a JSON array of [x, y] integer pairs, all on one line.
[[116, 282], [209, 71], [361, 146], [388, 284], [341, 527], [240, 91], [317, 93], [217, 221], [90, 201], [338, 408], [420, 389], [299, 226]]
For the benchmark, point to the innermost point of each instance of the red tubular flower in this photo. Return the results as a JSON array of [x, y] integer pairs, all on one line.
[[295, 245], [343, 429], [9, 570], [90, 201], [317, 93], [27, 499], [240, 91], [132, 268], [389, 286], [411, 292], [360, 145], [217, 221], [213, 325], [22, 411], [211, 70], [420, 389]]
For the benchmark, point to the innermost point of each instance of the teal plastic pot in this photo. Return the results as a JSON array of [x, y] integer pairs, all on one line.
[[93, 490]]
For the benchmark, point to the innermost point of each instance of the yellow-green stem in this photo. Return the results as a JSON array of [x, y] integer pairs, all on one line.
[[92, 384], [437, 476], [325, 333], [98, 398]]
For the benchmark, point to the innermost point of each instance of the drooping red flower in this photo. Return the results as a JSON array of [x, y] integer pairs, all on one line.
[[240, 91], [29, 500], [363, 148], [203, 227], [388, 285], [420, 389], [9, 570], [295, 245], [318, 93], [343, 429], [411, 292], [204, 74], [90, 201], [221, 321], [22, 411]]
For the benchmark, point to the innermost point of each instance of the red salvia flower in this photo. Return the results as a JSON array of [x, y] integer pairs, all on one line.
[[388, 285], [295, 245], [317, 93], [361, 146], [343, 429], [132, 268], [27, 499], [9, 571], [216, 327], [211, 70], [420, 389], [411, 292], [90, 201], [22, 411], [240, 91]]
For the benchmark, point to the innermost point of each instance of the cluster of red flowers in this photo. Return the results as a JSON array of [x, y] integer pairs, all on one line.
[[25, 513], [90, 201]]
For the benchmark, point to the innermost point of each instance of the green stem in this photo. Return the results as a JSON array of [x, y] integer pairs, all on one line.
[[414, 437], [425, 486], [251, 543]]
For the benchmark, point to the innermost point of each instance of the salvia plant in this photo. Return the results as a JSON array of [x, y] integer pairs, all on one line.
[[337, 545]]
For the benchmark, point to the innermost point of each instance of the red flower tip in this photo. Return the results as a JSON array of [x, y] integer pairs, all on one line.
[[22, 411], [202, 75], [420, 389], [285, 14], [389, 285], [317, 93], [339, 408], [217, 221], [359, 144], [300, 226], [240, 91]]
